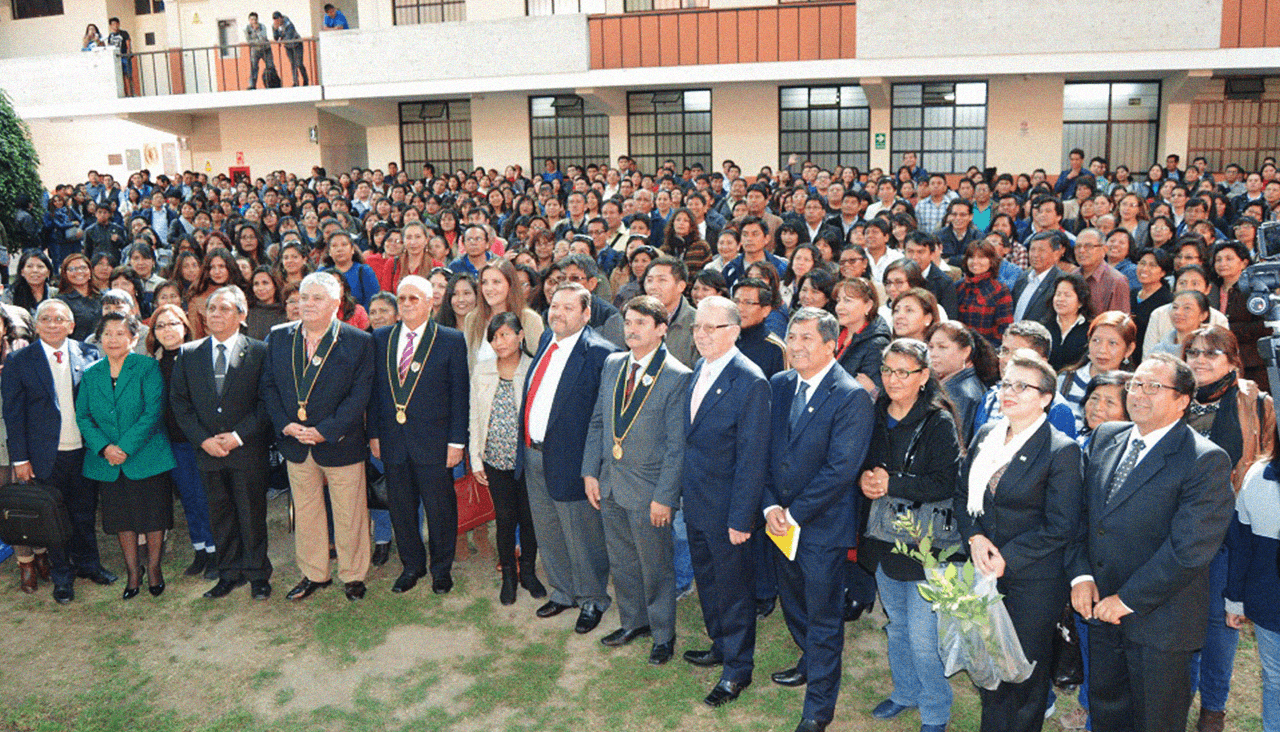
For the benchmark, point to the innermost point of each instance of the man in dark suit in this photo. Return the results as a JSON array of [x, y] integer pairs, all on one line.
[[631, 467], [726, 455], [560, 395], [820, 427], [214, 395], [418, 428], [1158, 500], [1033, 292], [39, 385], [921, 248], [316, 385]]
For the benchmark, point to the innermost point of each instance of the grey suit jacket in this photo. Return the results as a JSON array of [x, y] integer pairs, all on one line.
[[680, 335], [652, 451], [1039, 308]]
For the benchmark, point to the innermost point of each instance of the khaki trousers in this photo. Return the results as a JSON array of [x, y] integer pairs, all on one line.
[[349, 500]]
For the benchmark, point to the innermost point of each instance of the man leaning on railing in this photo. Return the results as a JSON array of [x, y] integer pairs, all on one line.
[[255, 34], [283, 30]]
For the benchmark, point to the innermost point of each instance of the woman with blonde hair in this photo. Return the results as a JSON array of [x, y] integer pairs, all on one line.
[[500, 292]]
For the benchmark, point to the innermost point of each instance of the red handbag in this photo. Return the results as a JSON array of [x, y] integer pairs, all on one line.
[[475, 505]]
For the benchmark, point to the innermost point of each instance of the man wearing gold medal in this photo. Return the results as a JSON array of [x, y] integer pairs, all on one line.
[[418, 428], [316, 384], [631, 468]]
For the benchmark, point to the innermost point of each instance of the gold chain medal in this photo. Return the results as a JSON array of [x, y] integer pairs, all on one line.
[[626, 410], [402, 389], [310, 369]]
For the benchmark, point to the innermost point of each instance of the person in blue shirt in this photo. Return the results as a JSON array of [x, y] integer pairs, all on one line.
[[755, 235], [475, 251], [333, 18], [342, 255]]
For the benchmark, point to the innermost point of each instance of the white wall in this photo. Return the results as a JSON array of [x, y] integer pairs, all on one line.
[[500, 129], [270, 137], [1024, 123], [55, 33], [39, 80], [744, 125], [383, 144], [887, 29], [195, 24], [69, 149]]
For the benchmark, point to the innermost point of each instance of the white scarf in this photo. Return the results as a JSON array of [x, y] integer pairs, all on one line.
[[993, 454]]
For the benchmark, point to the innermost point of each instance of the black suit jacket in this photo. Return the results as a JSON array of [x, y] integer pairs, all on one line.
[[1035, 510], [337, 404], [201, 413], [31, 414], [438, 410], [943, 288], [1041, 307], [1152, 542]]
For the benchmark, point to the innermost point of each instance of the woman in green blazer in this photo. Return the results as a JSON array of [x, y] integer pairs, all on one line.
[[120, 411]]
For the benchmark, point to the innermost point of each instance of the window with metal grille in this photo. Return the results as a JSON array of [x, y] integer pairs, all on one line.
[[413, 12], [827, 125], [1119, 121], [562, 128], [635, 6], [944, 123], [669, 125], [147, 7], [436, 132], [562, 7], [23, 9], [1241, 131]]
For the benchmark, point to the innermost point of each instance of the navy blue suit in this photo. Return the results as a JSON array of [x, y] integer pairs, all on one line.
[[813, 474], [415, 453], [725, 461], [34, 422]]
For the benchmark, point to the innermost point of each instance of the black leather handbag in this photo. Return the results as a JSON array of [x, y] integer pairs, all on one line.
[[33, 514]]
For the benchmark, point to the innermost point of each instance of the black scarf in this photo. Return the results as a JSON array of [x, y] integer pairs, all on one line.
[[1226, 430]]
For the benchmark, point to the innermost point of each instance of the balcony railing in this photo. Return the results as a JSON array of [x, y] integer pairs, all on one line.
[[807, 32], [219, 68]]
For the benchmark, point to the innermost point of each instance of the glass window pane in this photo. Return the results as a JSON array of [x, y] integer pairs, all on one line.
[[697, 100]]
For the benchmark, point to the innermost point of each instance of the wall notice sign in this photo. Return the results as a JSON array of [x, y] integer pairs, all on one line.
[[880, 140], [208, 166], [239, 158]]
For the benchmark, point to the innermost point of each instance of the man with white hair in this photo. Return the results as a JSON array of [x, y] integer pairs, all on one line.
[[418, 420], [316, 385]]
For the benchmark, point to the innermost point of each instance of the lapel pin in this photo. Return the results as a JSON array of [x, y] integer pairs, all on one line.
[[647, 380], [719, 391], [810, 409], [1022, 458]]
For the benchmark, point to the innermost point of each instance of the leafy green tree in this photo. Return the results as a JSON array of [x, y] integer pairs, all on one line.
[[19, 164]]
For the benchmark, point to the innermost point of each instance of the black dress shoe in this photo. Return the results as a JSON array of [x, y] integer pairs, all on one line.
[[198, 564], [622, 636], [64, 594], [260, 589], [129, 593], [211, 566], [354, 590], [305, 588], [705, 659], [405, 582], [381, 553], [552, 609], [588, 619], [156, 590], [99, 576], [662, 652], [442, 584], [507, 595], [724, 692], [223, 588], [529, 581], [811, 725], [764, 608], [789, 677]]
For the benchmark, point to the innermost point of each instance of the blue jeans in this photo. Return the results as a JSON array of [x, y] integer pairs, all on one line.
[[195, 502], [918, 676], [681, 557], [1211, 667], [381, 525], [1269, 654]]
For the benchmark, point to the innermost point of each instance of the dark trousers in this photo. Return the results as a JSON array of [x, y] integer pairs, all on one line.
[[859, 584], [294, 52], [762, 551], [1136, 687], [726, 576], [410, 485], [256, 53], [511, 510], [81, 498], [811, 590], [1034, 607], [238, 515]]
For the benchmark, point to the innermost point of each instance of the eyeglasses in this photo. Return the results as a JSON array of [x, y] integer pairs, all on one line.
[[740, 303], [78, 270], [1206, 352], [53, 320], [709, 329], [168, 325], [852, 260], [899, 373], [1017, 387], [1150, 388]]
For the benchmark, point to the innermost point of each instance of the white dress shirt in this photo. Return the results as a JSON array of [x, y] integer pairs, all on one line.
[[711, 371], [540, 407]]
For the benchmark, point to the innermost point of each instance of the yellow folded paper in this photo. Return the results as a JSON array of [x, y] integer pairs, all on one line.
[[788, 542]]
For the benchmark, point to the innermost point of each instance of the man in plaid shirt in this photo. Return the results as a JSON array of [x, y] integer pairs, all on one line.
[[930, 211]]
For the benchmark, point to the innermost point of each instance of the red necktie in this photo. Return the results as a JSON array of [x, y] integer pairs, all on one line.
[[58, 355], [533, 388], [631, 381]]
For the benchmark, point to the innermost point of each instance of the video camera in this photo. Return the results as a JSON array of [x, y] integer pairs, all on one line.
[[1260, 281]]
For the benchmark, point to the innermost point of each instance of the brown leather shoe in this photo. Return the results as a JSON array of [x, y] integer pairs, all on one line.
[[28, 584], [1211, 721], [42, 566]]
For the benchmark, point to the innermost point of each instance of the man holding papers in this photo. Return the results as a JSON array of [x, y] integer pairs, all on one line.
[[726, 437], [821, 425]]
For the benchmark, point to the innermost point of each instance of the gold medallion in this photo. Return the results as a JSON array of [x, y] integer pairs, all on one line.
[[302, 413], [617, 451], [316, 361], [400, 416], [415, 367]]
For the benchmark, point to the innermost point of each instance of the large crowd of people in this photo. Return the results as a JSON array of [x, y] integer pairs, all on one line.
[[651, 371]]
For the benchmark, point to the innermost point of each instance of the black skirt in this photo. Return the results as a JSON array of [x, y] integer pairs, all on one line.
[[137, 505]]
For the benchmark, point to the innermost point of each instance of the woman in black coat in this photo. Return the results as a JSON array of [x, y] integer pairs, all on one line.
[[863, 333], [1018, 503]]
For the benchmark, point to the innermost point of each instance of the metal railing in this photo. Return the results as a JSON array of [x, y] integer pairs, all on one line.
[[220, 68]]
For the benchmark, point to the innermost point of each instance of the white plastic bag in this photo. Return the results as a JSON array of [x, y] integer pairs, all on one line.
[[986, 646]]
